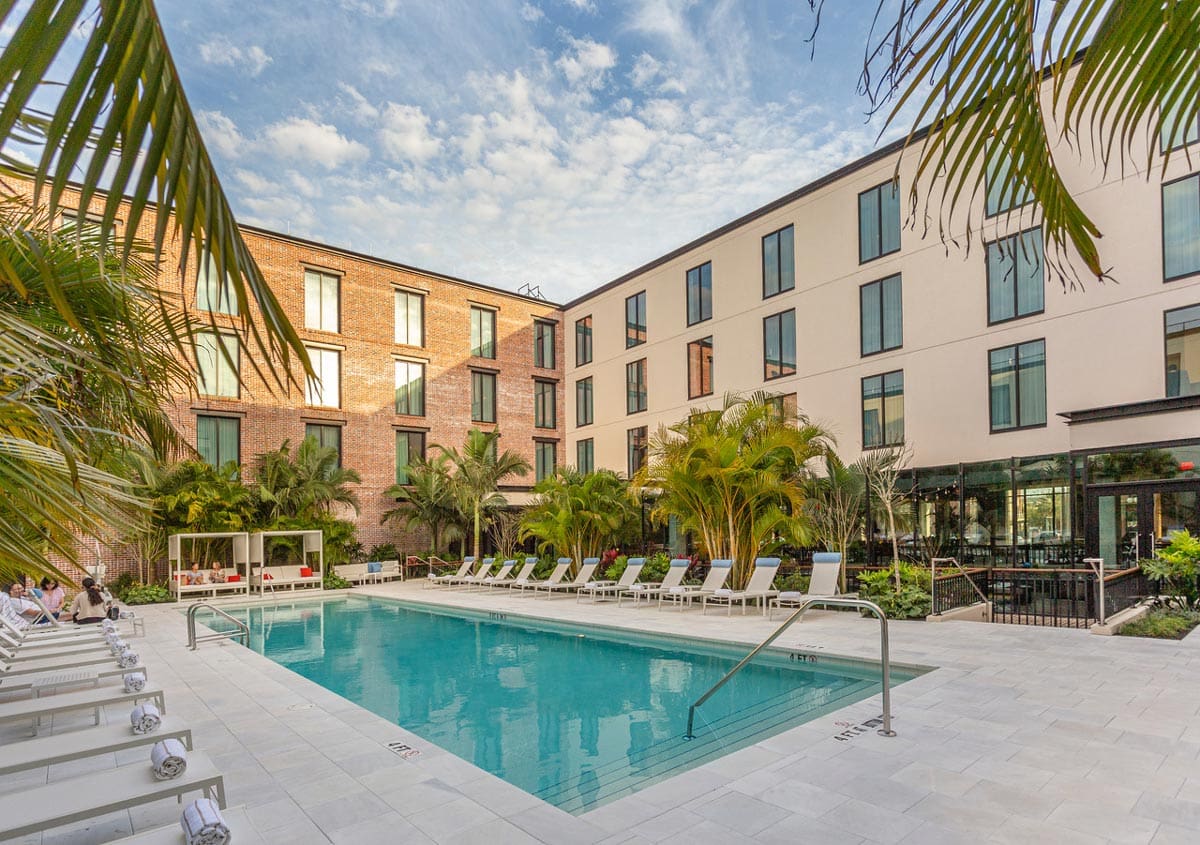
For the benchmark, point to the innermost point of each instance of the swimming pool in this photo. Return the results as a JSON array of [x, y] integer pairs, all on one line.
[[576, 716]]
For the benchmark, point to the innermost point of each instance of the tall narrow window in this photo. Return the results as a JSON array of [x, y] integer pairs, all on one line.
[[326, 389], [1016, 286], [635, 386], [321, 307], [217, 364], [878, 222], [583, 401], [545, 404], [779, 345], [546, 458], [1178, 131], [218, 440], [883, 410], [585, 456], [543, 345], [327, 436], [410, 318], [583, 341], [635, 450], [1183, 351], [699, 294], [700, 367], [214, 289], [1018, 385], [1181, 227], [483, 397], [1004, 190], [410, 388], [483, 333], [779, 262], [410, 447], [881, 313], [635, 319]]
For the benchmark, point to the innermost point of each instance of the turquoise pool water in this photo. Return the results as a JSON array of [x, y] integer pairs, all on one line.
[[577, 716]]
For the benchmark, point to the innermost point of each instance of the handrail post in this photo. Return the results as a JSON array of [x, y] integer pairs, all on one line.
[[1096, 564], [242, 632]]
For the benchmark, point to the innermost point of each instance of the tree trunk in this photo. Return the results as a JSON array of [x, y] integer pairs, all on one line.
[[475, 545], [895, 545]]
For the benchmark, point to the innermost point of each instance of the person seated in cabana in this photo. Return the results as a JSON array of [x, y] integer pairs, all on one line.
[[216, 575], [193, 576]]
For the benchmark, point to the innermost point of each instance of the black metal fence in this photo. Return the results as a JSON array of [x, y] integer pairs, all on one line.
[[959, 589]]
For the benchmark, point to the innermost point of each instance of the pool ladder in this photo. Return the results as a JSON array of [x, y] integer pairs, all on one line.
[[806, 603], [242, 631]]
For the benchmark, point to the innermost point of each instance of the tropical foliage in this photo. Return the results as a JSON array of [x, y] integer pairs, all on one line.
[[427, 500], [902, 594], [478, 470], [579, 515], [731, 476], [307, 484], [1176, 571], [834, 504]]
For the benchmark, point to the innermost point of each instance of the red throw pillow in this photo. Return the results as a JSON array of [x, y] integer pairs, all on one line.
[[232, 578], [305, 572], [267, 576]]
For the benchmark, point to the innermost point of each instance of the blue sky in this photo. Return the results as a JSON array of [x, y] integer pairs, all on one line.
[[553, 142]]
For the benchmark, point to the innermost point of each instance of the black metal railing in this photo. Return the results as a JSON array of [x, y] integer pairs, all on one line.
[[1124, 589], [960, 589], [1060, 598]]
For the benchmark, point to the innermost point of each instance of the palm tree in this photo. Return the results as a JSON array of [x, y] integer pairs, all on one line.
[[306, 485], [1010, 83], [834, 506], [478, 470], [732, 477], [579, 513], [427, 500]]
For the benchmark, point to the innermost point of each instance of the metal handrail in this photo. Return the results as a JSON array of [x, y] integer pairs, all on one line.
[[806, 603], [243, 631]]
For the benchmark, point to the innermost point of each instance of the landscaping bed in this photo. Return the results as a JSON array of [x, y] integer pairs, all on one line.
[[1163, 624]]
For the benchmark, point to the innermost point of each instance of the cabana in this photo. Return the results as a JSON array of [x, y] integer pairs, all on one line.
[[235, 571], [310, 572]]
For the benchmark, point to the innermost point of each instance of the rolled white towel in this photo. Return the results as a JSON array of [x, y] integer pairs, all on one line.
[[127, 659], [169, 759], [111, 636], [202, 824], [678, 590], [127, 614], [109, 626], [723, 591], [135, 681], [790, 595], [145, 718], [117, 646]]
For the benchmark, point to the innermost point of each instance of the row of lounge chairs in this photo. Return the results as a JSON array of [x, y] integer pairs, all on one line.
[[671, 590], [55, 670]]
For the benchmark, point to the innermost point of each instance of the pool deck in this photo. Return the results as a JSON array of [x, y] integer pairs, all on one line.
[[1021, 735]]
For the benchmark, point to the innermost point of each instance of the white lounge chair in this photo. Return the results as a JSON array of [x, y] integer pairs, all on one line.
[[33, 709], [72, 745], [477, 577], [463, 571], [826, 568], [758, 589], [560, 571], [524, 577], [651, 589], [10, 652], [685, 594], [106, 791], [506, 569], [23, 666], [46, 679], [241, 831], [596, 589], [585, 573], [46, 633]]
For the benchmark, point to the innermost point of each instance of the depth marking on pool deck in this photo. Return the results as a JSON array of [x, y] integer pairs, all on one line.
[[405, 751], [853, 730]]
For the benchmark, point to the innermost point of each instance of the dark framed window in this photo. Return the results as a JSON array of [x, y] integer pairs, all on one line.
[[483, 396], [878, 222], [779, 345], [583, 401], [545, 404], [785, 405], [545, 459], [1177, 132], [1017, 395], [410, 388], [218, 364], [583, 341], [322, 309], [700, 367], [1181, 227], [483, 332], [543, 344], [881, 316], [635, 450], [1183, 351], [883, 410], [410, 318], [635, 386], [585, 456], [1016, 284], [410, 447], [1004, 190], [635, 319], [778, 262], [327, 436], [219, 440], [699, 294]]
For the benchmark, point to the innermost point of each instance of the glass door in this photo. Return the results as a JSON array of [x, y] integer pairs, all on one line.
[[1116, 518], [1130, 523]]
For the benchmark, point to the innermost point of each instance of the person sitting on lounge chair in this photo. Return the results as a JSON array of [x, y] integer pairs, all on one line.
[[22, 606], [89, 606], [53, 596], [216, 575]]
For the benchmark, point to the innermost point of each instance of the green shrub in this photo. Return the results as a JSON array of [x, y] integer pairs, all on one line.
[[1175, 570], [545, 566], [911, 601], [384, 551], [145, 594], [333, 581], [1163, 624], [122, 583], [617, 568], [655, 569], [794, 582]]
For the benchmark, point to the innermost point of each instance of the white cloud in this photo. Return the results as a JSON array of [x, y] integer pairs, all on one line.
[[306, 140], [359, 106], [586, 62], [221, 51], [220, 134], [531, 13], [404, 134], [582, 5]]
